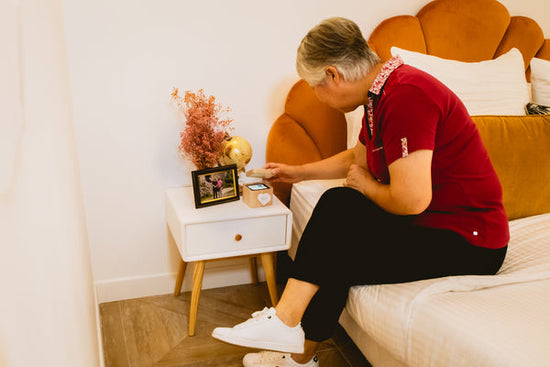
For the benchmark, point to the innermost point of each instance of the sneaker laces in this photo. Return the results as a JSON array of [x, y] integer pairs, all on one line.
[[269, 356], [258, 316]]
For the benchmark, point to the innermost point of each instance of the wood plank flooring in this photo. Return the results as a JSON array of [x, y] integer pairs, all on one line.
[[152, 331]]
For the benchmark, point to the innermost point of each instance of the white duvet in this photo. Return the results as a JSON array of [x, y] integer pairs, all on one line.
[[501, 320]]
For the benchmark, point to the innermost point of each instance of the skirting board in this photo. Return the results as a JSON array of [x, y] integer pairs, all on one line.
[[216, 274], [99, 330]]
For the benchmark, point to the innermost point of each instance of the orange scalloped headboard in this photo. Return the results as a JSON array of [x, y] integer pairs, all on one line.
[[465, 30]]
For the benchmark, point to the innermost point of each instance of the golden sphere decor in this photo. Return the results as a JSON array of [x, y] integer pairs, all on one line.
[[236, 150]]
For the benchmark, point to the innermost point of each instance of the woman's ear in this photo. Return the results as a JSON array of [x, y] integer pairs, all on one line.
[[332, 74]]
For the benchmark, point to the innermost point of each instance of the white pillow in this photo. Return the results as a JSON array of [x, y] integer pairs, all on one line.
[[354, 121], [540, 81], [492, 87]]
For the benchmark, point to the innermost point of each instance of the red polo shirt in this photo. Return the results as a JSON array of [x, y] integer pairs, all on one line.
[[415, 111]]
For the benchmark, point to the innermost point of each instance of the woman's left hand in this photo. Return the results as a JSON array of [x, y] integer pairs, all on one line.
[[358, 178]]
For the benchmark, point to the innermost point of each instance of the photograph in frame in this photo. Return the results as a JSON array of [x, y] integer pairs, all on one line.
[[212, 186]]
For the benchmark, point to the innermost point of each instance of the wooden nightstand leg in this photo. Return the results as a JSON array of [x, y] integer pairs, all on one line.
[[253, 269], [267, 261], [179, 279], [198, 271]]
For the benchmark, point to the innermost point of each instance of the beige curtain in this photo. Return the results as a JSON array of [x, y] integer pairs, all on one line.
[[47, 306]]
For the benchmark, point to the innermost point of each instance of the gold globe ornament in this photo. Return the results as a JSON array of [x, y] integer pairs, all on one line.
[[236, 150]]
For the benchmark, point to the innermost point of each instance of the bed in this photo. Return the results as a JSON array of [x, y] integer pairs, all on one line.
[[453, 321], [486, 321]]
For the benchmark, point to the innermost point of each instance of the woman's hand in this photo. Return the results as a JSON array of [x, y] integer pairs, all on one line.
[[358, 178], [410, 189], [284, 173]]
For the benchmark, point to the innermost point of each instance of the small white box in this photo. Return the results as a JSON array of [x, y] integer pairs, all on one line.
[[257, 194]]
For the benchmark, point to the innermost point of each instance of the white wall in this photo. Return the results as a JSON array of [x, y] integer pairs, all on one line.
[[47, 306], [125, 56]]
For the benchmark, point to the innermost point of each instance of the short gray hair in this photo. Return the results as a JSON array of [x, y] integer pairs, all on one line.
[[334, 42]]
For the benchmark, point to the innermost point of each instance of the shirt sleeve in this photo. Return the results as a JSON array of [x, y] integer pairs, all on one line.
[[409, 122]]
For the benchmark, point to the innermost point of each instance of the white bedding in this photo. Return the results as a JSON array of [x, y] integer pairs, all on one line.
[[501, 320]]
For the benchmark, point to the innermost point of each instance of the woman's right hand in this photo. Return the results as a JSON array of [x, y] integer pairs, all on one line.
[[284, 173]]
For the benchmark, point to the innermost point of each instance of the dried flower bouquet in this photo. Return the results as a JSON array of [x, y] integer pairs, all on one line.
[[205, 129]]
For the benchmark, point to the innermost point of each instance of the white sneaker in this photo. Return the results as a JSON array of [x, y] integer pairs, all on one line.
[[275, 359], [264, 331]]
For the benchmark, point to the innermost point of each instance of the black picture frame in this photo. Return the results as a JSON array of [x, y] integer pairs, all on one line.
[[208, 193]]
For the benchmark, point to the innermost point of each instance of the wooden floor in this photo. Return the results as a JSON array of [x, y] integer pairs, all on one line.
[[152, 331]]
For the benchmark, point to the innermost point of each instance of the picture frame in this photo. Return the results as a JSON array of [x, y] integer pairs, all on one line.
[[212, 186]]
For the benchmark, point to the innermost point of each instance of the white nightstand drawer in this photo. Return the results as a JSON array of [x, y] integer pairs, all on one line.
[[233, 236]]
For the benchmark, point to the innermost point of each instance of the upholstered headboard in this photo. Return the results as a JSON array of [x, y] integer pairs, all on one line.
[[466, 30]]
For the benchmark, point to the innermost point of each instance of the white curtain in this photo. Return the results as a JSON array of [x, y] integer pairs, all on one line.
[[47, 306]]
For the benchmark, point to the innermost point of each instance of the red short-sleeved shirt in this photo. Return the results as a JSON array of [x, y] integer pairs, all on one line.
[[415, 111]]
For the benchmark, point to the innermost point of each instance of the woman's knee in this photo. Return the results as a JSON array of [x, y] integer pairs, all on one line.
[[346, 204], [340, 197]]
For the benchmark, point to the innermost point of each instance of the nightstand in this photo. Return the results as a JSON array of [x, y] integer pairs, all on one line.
[[223, 231]]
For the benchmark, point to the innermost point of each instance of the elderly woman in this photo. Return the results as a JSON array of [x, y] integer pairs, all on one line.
[[420, 198]]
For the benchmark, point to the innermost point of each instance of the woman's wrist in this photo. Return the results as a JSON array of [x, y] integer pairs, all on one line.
[[303, 172]]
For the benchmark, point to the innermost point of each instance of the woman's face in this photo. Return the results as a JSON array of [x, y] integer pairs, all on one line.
[[339, 94]]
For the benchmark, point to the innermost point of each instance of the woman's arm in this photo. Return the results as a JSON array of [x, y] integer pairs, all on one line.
[[410, 188], [336, 166]]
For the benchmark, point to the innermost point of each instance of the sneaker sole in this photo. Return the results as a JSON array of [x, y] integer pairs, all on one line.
[[251, 343]]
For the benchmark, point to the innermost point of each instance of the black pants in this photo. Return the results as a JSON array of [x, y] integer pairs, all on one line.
[[349, 240]]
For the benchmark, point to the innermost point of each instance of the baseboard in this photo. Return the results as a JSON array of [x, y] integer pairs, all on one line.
[[216, 274], [99, 330]]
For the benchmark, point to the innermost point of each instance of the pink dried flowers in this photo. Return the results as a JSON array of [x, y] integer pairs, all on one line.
[[202, 138]]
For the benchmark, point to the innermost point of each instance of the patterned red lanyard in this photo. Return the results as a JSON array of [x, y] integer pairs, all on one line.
[[388, 68]]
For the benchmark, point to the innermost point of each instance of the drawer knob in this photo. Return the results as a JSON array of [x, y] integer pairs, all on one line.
[[238, 237]]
